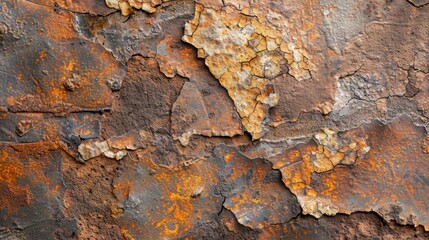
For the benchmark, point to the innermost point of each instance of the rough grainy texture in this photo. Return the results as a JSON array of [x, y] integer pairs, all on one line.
[[214, 119], [320, 186]]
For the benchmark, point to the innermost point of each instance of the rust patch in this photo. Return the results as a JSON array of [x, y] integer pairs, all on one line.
[[126, 6], [158, 203], [31, 191], [394, 169], [78, 6], [248, 45], [254, 192], [34, 74]]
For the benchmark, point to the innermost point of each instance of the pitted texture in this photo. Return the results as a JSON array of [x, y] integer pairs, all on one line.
[[214, 119]]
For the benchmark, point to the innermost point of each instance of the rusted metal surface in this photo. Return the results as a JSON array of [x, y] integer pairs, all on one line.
[[40, 55], [244, 184], [34, 127], [195, 119], [31, 190], [156, 202], [390, 179], [96, 7], [158, 35]]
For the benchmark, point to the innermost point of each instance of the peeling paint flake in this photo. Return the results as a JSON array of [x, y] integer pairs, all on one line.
[[387, 172], [127, 6], [245, 51]]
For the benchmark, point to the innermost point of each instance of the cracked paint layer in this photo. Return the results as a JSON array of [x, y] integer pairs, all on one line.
[[231, 52], [158, 36], [306, 79], [400, 185], [127, 6]]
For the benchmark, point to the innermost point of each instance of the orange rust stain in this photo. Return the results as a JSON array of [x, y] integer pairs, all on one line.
[[41, 57], [178, 202], [10, 172], [70, 65], [330, 186], [14, 197], [126, 235], [34, 159], [59, 26], [123, 188], [58, 94], [19, 77], [229, 156], [177, 213]]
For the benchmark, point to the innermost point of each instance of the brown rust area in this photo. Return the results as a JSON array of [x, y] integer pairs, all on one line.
[[31, 190], [96, 7], [36, 73], [289, 73], [382, 169], [18, 197], [201, 112], [89, 197], [245, 184], [158, 202], [127, 6]]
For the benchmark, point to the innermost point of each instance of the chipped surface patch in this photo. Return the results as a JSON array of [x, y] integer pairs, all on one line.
[[253, 191], [114, 147], [127, 6], [326, 151], [382, 170], [231, 52], [194, 113]]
